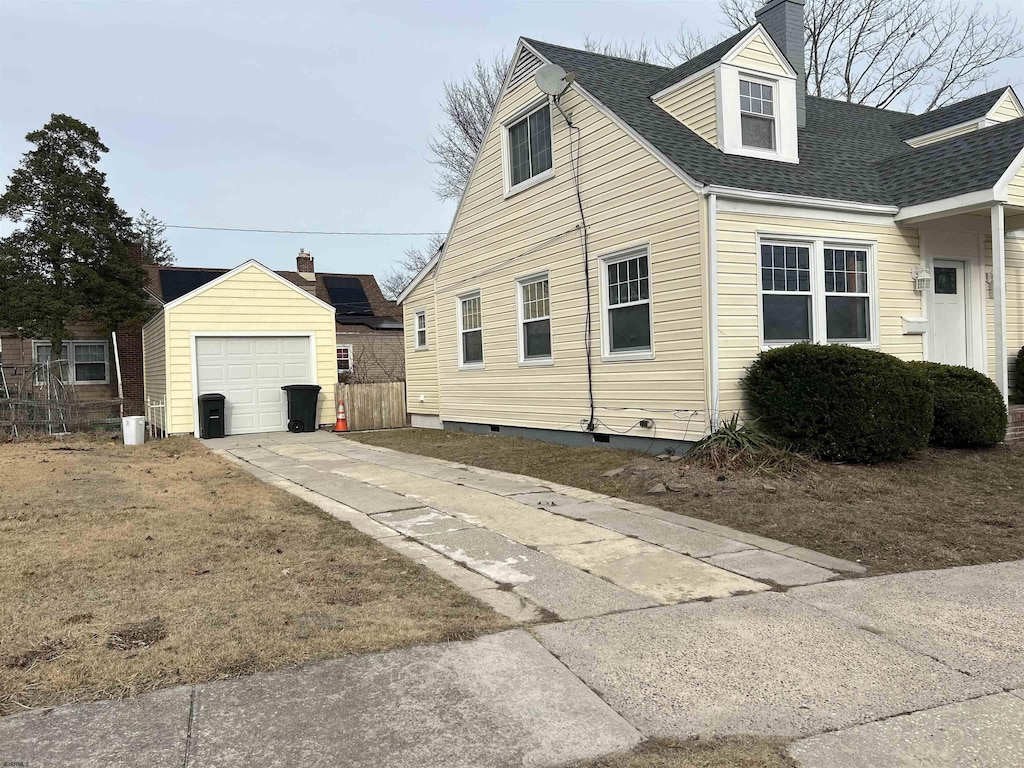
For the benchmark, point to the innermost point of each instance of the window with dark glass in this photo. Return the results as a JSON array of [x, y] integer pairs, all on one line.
[[536, 318], [529, 146], [786, 295], [629, 305], [471, 330], [421, 330], [847, 299], [81, 362], [757, 115]]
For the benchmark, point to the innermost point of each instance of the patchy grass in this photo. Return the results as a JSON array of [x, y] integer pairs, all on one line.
[[944, 508], [124, 570], [739, 752]]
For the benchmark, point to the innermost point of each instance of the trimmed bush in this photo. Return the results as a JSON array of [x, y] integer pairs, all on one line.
[[841, 403], [969, 409]]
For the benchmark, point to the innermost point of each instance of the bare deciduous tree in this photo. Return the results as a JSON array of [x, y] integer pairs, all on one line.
[[467, 107], [622, 49], [406, 268], [376, 359], [913, 54]]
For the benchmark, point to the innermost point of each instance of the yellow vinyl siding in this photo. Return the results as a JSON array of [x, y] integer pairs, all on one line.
[[421, 364], [630, 199], [738, 296], [250, 301], [1016, 189], [949, 133], [694, 105], [758, 56], [1014, 303], [154, 363], [1005, 109]]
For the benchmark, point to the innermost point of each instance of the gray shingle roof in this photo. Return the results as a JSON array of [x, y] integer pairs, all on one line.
[[697, 63], [974, 108], [843, 148]]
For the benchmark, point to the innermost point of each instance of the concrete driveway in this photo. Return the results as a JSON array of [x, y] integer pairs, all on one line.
[[636, 623]]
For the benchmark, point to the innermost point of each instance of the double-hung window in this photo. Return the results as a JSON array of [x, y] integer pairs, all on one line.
[[421, 330], [627, 302], [471, 334], [344, 352], [757, 114], [528, 146], [535, 320], [81, 362], [816, 291]]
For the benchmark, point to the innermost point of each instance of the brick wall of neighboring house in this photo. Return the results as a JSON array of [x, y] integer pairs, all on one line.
[[377, 355], [129, 351], [18, 361], [1015, 430]]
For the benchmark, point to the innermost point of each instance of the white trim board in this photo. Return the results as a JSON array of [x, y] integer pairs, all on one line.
[[419, 277]]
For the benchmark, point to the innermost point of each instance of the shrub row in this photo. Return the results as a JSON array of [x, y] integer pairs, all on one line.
[[843, 403]]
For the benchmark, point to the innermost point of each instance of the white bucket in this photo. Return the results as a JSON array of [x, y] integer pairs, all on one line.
[[134, 430]]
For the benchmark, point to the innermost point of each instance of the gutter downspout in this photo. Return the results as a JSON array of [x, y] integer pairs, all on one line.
[[117, 367], [999, 298], [712, 199]]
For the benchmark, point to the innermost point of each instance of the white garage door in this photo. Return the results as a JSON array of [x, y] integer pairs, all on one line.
[[250, 371]]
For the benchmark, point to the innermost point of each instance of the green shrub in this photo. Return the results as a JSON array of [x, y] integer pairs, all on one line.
[[841, 403], [969, 409]]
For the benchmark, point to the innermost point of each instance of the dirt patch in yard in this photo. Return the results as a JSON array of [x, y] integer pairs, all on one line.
[[124, 570], [738, 752], [944, 508]]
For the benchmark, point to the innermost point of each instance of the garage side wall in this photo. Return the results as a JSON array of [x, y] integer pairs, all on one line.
[[250, 301], [154, 364]]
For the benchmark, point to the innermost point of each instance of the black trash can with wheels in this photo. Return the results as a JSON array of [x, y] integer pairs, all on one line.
[[302, 407], [211, 415]]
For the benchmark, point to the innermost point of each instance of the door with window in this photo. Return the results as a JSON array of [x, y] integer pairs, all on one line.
[[949, 312]]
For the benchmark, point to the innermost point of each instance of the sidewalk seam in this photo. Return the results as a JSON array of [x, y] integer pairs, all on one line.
[[190, 730]]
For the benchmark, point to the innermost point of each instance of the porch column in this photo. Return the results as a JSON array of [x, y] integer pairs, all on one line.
[[999, 297]]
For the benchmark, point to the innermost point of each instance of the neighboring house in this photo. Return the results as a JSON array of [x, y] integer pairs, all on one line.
[[723, 212], [246, 332]]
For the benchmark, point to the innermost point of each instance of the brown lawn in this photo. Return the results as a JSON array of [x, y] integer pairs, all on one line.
[[123, 570], [944, 508]]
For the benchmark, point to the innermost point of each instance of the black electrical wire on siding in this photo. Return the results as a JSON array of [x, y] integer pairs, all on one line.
[[574, 161]]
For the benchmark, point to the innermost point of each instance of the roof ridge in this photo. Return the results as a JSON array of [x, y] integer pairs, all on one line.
[[959, 103], [862, 106], [601, 55]]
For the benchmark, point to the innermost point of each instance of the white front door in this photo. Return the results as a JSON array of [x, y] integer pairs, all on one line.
[[250, 371], [949, 312]]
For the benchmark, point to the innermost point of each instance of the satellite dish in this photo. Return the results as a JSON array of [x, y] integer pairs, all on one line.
[[550, 78]]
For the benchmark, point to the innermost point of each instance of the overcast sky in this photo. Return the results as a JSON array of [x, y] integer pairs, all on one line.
[[283, 115]]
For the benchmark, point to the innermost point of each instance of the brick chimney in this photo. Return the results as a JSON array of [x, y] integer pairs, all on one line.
[[784, 21], [304, 265], [135, 254]]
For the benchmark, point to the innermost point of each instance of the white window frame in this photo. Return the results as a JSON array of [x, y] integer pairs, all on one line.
[[776, 137], [520, 316], [72, 379], [819, 327], [421, 315], [506, 155], [351, 358], [727, 112], [607, 355], [463, 365]]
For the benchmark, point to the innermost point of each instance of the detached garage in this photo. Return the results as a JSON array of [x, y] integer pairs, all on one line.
[[244, 334]]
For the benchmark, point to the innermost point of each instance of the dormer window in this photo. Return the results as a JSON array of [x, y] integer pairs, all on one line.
[[757, 114], [528, 149]]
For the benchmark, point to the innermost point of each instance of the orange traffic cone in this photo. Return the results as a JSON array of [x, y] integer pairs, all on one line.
[[341, 425]]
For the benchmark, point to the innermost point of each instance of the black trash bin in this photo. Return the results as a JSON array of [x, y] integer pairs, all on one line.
[[211, 415], [302, 407]]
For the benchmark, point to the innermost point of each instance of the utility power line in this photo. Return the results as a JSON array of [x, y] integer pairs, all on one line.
[[303, 231]]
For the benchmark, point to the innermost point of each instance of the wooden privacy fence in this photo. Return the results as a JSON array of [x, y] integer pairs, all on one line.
[[373, 406]]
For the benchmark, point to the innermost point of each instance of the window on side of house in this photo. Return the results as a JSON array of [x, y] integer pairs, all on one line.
[[757, 114], [847, 295], [786, 295], [816, 291], [529, 146], [344, 361], [471, 334], [535, 320], [81, 362], [628, 303], [421, 330]]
